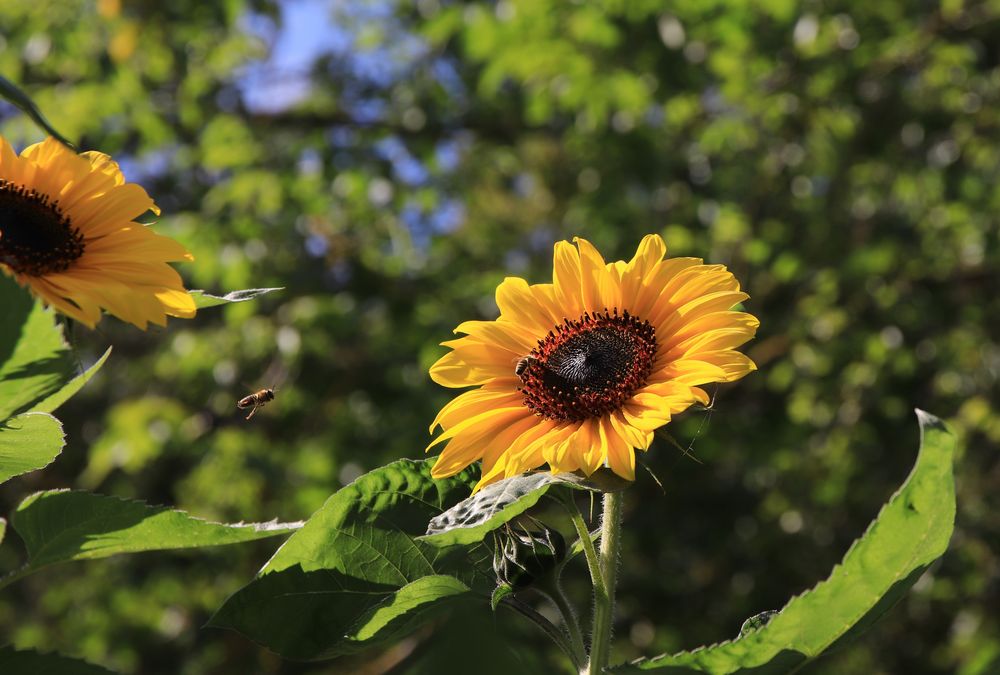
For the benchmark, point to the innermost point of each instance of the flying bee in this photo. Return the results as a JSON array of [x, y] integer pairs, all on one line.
[[522, 365], [256, 399]]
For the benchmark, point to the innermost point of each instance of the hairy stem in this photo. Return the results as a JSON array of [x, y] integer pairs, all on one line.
[[557, 636], [569, 617], [587, 542], [604, 596]]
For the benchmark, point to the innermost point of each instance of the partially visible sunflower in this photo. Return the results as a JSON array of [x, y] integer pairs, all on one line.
[[580, 372], [67, 232]]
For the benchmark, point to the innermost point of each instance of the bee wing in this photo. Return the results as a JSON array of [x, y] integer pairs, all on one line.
[[276, 375]]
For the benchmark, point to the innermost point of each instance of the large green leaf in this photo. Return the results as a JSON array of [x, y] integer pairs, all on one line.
[[28, 442], [203, 299], [471, 519], [34, 360], [356, 574], [29, 662], [17, 304], [910, 533], [405, 609], [62, 525], [53, 401]]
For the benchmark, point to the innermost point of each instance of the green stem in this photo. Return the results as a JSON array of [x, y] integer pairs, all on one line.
[[569, 617], [554, 633], [604, 598], [587, 541]]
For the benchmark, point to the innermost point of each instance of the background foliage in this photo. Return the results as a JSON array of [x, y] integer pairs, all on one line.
[[388, 163]]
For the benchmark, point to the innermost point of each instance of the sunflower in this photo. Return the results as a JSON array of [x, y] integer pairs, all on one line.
[[67, 232], [579, 373]]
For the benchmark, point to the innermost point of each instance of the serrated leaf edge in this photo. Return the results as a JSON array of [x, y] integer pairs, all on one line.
[[926, 420]]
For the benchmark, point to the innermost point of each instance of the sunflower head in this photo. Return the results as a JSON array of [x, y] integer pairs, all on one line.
[[579, 373], [68, 233]]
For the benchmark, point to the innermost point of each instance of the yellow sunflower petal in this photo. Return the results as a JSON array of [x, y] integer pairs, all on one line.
[[471, 363], [502, 334], [8, 158], [701, 396], [132, 304], [727, 365], [471, 403], [176, 303], [566, 278], [52, 168], [669, 328], [545, 296], [617, 269], [121, 202], [656, 281], [99, 258], [556, 448], [708, 322], [710, 303], [138, 273], [690, 371], [591, 449], [507, 461], [620, 455], [710, 341], [513, 438], [598, 288], [563, 455], [492, 418], [87, 313], [644, 419], [49, 154], [530, 452], [518, 306], [636, 438], [649, 254], [140, 242], [671, 403], [103, 165], [470, 438], [693, 282]]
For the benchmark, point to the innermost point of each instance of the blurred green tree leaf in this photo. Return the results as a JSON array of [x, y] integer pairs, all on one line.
[[28, 661]]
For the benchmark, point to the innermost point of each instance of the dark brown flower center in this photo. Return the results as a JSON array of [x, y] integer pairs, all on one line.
[[588, 367], [35, 237]]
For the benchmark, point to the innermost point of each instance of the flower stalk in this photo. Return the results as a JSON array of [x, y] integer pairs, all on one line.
[[604, 592]]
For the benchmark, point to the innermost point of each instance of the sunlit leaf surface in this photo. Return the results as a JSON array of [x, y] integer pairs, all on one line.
[[35, 361], [356, 574], [62, 525], [471, 519], [28, 442], [910, 533]]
